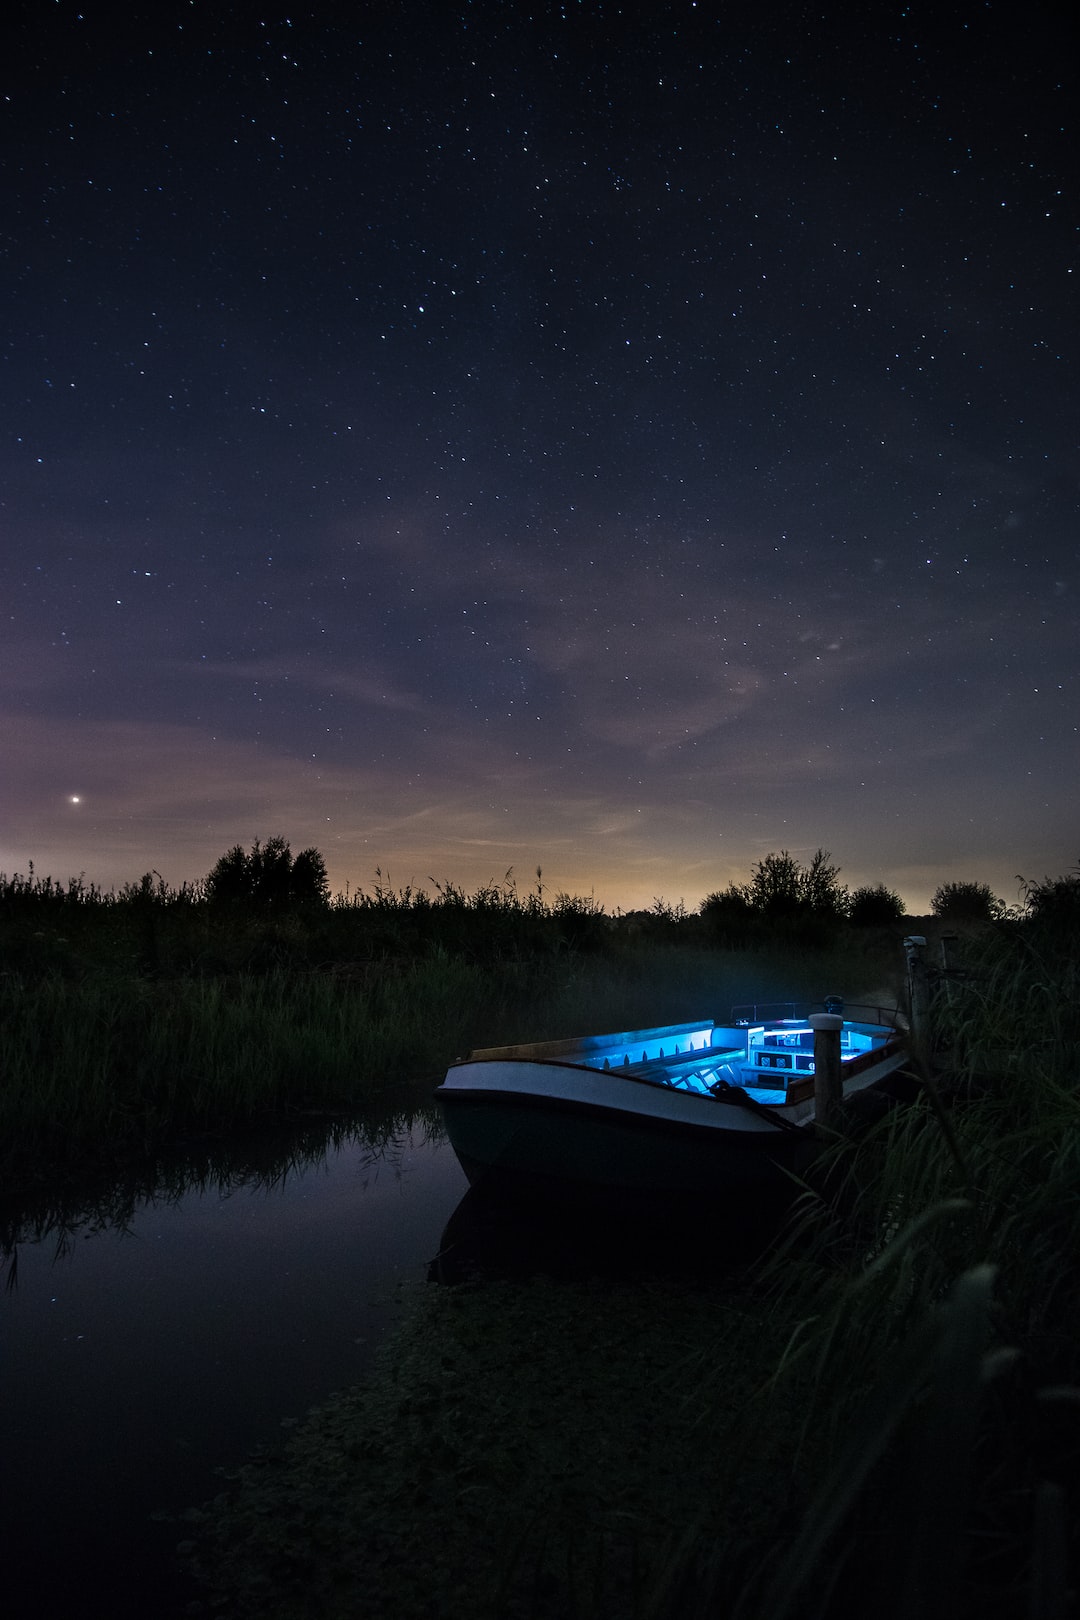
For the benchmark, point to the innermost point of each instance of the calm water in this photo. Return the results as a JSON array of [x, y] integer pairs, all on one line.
[[134, 1362]]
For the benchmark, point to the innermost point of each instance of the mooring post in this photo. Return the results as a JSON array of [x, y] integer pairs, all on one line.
[[948, 944], [918, 993], [828, 1088]]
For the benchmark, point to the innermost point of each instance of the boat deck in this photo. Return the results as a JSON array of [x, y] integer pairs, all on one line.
[[771, 1060]]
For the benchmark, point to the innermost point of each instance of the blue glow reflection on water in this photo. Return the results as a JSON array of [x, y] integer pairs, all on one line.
[[137, 1361]]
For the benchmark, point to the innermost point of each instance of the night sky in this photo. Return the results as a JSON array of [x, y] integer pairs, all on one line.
[[470, 436]]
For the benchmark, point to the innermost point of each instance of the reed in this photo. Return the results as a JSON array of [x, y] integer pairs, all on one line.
[[927, 1280], [103, 1062]]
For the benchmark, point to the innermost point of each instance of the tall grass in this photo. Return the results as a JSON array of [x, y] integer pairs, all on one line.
[[104, 1065], [928, 1278], [148, 928]]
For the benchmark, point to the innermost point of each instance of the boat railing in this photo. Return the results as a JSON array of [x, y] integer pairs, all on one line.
[[798, 1011]]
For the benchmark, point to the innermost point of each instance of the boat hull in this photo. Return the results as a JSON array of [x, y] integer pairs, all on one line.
[[507, 1139], [649, 1112]]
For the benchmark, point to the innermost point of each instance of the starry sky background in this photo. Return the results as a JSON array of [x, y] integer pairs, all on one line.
[[468, 436]]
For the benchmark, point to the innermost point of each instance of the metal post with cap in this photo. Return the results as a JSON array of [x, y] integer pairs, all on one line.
[[828, 1087], [918, 992]]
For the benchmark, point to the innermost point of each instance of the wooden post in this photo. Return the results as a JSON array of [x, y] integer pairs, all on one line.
[[918, 993], [828, 1087], [948, 944]]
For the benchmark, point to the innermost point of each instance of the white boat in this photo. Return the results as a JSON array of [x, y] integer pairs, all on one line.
[[694, 1108]]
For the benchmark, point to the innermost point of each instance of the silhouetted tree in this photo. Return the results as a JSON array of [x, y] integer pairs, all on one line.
[[731, 903], [780, 887], [822, 892], [230, 878], [1053, 906], [728, 915], [780, 891], [966, 902], [268, 875], [775, 887], [875, 906], [309, 879]]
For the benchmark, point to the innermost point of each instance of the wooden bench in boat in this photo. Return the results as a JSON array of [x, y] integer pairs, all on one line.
[[680, 1066]]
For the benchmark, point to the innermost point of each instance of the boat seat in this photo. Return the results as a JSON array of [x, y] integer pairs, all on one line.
[[676, 1070]]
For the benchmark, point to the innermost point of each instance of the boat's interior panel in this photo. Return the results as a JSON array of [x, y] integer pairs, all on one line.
[[772, 1060], [765, 1060]]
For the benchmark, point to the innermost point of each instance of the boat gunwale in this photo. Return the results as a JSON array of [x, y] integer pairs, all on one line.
[[561, 1050], [794, 1113], [550, 1051], [799, 1088]]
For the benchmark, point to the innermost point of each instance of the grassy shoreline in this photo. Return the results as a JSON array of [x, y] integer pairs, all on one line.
[[884, 1418], [501, 1462]]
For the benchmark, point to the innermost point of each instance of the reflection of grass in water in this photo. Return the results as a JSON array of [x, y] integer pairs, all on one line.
[[262, 1161]]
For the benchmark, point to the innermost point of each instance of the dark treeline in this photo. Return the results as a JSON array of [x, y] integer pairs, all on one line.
[[264, 908], [264, 911]]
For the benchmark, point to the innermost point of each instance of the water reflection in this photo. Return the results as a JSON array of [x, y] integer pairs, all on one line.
[[495, 1234], [90, 1203], [165, 1326]]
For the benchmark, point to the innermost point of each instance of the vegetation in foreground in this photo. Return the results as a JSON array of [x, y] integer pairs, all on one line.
[[525, 1451], [884, 1419]]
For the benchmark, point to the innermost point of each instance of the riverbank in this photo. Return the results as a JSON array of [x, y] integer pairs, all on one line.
[[882, 1417], [164, 1330], [533, 1449]]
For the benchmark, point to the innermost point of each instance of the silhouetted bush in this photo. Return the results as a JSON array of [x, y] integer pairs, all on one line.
[[967, 902], [268, 875], [1053, 909], [875, 906], [804, 902]]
